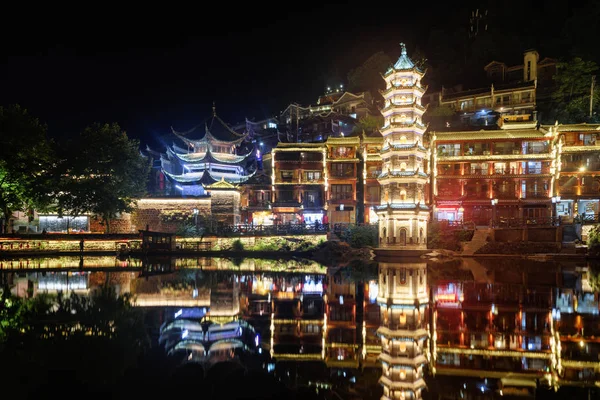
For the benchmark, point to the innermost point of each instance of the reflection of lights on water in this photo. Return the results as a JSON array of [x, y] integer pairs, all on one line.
[[581, 343], [256, 340], [373, 291], [184, 334], [311, 286]]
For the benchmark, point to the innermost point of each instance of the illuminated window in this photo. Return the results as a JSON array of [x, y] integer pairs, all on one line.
[[403, 194]]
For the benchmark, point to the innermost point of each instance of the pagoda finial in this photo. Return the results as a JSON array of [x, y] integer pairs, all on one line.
[[214, 109], [403, 48]]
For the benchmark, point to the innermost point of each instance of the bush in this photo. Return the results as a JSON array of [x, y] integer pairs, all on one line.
[[237, 245], [449, 240], [593, 240], [359, 236], [188, 229]]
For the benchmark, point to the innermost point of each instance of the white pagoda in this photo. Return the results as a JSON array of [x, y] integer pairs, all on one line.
[[403, 300], [403, 213]]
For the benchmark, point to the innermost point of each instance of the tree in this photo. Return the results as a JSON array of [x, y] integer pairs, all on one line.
[[26, 158], [367, 77], [368, 124], [571, 97], [104, 174]]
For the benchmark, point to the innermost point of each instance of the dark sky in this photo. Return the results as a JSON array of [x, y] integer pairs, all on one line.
[[151, 68]]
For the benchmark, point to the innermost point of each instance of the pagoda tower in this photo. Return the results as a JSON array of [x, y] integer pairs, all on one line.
[[403, 300], [403, 213], [190, 165]]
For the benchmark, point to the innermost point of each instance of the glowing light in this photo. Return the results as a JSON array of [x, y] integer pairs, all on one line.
[[178, 313], [184, 334], [373, 291]]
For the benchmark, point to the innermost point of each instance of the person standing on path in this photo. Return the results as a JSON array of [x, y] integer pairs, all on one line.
[[81, 245]]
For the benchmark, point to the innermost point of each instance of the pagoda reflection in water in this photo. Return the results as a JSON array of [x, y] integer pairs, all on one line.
[[463, 329]]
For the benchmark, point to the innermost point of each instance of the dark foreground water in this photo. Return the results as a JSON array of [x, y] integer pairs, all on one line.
[[251, 328]]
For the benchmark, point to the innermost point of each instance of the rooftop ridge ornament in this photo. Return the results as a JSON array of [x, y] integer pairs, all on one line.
[[404, 62]]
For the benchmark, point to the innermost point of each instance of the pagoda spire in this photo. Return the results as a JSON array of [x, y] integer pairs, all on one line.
[[404, 62]]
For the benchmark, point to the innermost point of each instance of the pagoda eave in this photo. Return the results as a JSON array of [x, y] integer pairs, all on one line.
[[392, 151], [402, 108], [402, 90], [393, 71]]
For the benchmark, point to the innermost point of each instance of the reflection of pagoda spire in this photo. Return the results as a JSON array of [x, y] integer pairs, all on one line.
[[403, 299]]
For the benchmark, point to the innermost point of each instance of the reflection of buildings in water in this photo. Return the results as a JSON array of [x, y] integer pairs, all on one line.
[[536, 322], [51, 282], [298, 321], [208, 343], [521, 331], [370, 322], [341, 347], [403, 299]]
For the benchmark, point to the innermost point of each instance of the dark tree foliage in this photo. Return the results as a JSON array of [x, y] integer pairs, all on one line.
[[102, 173], [92, 340], [367, 76], [26, 159], [571, 97]]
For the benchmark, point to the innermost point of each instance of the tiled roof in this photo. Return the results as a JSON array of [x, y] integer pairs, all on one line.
[[575, 127], [489, 134]]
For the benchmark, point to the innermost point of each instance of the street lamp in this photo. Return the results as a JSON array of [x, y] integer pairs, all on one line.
[[494, 203], [195, 216]]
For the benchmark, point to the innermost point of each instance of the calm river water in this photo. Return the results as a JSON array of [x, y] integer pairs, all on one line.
[[472, 328]]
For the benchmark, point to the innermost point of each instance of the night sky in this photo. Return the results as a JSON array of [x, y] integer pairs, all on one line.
[[152, 68]]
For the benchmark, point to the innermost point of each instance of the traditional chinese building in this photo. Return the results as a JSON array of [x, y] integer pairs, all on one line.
[[299, 182], [335, 114], [205, 154], [343, 164], [371, 169], [512, 94], [492, 175], [256, 199], [578, 188], [403, 212], [403, 298]]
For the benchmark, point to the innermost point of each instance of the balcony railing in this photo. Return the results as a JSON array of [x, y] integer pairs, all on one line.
[[373, 174], [506, 222], [478, 171], [535, 195], [343, 174], [286, 202], [312, 204], [342, 196], [259, 203], [346, 156], [574, 167]]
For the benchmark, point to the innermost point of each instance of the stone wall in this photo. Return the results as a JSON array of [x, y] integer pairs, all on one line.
[[165, 215], [225, 206], [548, 234], [121, 224]]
